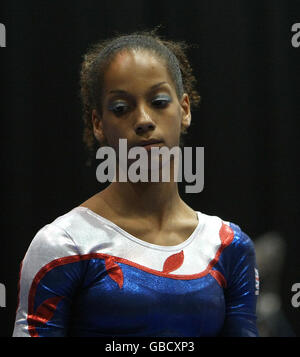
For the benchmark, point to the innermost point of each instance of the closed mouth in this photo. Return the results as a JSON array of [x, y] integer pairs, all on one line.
[[149, 142]]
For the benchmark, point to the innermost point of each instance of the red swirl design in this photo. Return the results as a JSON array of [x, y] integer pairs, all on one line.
[[45, 311], [114, 271], [173, 262]]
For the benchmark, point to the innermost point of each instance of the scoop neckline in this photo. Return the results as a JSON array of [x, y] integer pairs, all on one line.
[[139, 241]]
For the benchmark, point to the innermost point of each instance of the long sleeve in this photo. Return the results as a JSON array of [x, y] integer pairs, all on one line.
[[242, 286], [50, 273]]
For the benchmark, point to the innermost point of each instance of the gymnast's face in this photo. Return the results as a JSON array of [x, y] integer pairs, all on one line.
[[139, 102]]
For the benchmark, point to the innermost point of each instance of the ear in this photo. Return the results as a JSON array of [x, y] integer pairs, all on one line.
[[97, 126], [186, 113]]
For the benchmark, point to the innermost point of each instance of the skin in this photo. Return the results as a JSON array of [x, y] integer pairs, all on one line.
[[153, 212]]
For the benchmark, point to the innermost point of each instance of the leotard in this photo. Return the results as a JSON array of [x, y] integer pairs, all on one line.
[[83, 275]]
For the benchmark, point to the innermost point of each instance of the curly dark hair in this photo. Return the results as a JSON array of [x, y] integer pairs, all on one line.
[[100, 55]]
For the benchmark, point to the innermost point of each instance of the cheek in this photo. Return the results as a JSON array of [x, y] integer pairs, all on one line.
[[172, 130], [113, 132], [176, 121]]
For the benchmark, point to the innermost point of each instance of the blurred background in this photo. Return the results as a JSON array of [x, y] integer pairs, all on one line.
[[248, 75]]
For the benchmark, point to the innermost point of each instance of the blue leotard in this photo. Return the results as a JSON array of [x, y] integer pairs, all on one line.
[[83, 275]]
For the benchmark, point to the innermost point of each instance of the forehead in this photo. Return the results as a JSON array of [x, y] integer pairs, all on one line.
[[135, 68]]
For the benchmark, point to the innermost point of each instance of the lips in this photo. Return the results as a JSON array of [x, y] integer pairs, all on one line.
[[148, 144]]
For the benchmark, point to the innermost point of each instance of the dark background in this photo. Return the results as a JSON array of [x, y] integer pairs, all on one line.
[[248, 75]]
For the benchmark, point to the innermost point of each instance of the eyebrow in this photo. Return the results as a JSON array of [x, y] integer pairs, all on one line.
[[120, 91]]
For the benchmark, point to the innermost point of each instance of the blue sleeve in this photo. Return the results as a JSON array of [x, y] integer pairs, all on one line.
[[242, 286]]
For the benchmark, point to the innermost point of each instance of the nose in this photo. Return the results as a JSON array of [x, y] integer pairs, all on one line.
[[143, 122]]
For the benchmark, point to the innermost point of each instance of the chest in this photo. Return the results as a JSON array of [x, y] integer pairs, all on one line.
[[174, 233], [148, 304]]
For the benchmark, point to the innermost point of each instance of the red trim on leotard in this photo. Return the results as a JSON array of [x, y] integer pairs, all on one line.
[[226, 236]]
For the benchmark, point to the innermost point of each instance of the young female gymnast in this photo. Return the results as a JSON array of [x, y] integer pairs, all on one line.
[[135, 259]]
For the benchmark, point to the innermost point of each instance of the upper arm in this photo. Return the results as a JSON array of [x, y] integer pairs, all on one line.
[[50, 273], [242, 287]]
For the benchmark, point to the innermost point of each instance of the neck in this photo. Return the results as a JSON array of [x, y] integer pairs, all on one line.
[[143, 198], [159, 201], [151, 206]]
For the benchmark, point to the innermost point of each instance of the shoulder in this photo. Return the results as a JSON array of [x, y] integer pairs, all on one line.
[[57, 232], [70, 235], [241, 242], [230, 235], [235, 256], [78, 231], [50, 243]]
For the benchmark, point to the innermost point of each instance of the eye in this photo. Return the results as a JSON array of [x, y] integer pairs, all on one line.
[[161, 101], [118, 108]]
